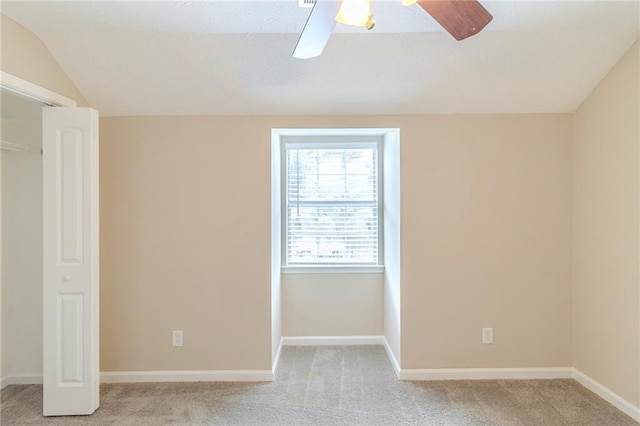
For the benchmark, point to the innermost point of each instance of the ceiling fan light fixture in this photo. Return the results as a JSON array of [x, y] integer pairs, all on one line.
[[370, 23], [408, 2], [355, 12]]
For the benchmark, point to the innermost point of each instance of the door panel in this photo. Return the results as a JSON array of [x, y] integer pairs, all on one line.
[[70, 261]]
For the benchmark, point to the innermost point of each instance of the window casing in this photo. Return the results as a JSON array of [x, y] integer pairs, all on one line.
[[332, 201]]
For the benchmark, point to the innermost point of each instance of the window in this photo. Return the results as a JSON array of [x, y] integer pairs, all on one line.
[[332, 200]]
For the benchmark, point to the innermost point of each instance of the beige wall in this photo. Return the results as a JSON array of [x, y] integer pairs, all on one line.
[[23, 55], [486, 241], [185, 244], [332, 304], [606, 227], [185, 211]]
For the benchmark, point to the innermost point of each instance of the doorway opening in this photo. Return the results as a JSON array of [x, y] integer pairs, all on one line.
[[21, 235]]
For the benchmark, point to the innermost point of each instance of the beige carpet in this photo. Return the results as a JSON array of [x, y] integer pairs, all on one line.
[[331, 386]]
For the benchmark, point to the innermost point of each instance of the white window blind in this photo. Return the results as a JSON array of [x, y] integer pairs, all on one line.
[[332, 203]]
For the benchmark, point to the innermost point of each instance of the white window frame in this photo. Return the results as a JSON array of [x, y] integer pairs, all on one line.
[[343, 138]]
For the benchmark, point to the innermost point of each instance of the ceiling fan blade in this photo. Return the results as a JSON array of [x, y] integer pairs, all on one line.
[[461, 18], [317, 30]]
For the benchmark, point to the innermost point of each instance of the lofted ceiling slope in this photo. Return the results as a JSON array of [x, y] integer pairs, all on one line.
[[234, 57]]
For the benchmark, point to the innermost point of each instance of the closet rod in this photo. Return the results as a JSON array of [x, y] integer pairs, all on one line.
[[12, 146]]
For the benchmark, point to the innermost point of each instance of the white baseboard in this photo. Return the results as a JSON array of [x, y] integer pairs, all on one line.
[[23, 379], [187, 376], [392, 357], [276, 361], [605, 393], [332, 340], [160, 376], [486, 373]]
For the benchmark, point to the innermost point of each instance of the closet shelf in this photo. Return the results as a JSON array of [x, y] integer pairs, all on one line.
[[12, 146]]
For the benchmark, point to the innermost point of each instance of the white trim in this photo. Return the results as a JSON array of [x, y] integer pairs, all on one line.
[[350, 131], [333, 269], [486, 373], [392, 357], [605, 393], [282, 136], [25, 88], [187, 376], [23, 379], [332, 340], [313, 141]]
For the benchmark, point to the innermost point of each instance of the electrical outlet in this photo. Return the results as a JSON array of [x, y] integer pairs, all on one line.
[[487, 335], [176, 337]]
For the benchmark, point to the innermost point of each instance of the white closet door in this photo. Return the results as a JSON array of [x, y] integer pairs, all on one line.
[[70, 262]]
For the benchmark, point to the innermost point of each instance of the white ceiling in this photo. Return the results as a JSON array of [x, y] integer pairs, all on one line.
[[234, 57]]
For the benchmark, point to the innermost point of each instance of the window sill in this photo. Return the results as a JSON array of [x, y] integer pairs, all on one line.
[[333, 269]]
